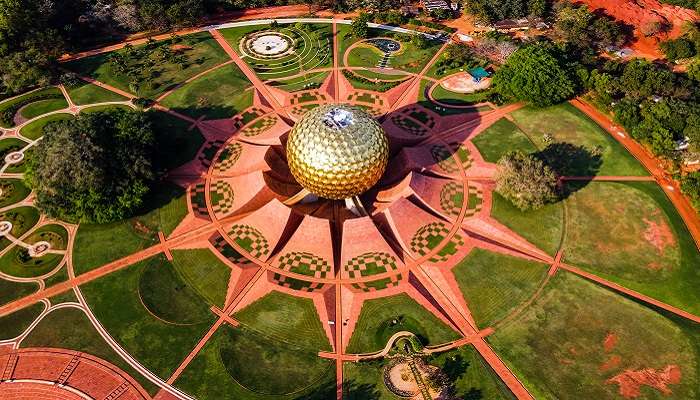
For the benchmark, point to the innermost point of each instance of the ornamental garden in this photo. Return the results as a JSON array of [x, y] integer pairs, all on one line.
[[209, 281]]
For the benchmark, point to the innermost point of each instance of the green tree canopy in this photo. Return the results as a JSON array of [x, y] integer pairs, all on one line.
[[535, 74], [95, 168], [526, 181]]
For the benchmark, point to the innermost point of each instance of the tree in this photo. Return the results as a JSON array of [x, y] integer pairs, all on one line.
[[534, 74], [359, 27], [96, 168], [21, 71], [526, 181], [676, 49]]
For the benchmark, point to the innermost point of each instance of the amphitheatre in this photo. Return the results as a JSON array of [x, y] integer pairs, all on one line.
[[237, 282]]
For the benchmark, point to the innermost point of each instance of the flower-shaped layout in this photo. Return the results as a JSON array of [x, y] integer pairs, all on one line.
[[234, 282]]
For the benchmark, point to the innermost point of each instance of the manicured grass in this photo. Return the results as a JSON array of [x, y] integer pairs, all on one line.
[[87, 93], [22, 219], [54, 234], [15, 324], [10, 291], [308, 81], [13, 191], [18, 263], [69, 328], [65, 297], [177, 143], [630, 233], [565, 123], [158, 345], [376, 324], [238, 364], [424, 101], [459, 99], [383, 77], [500, 138], [563, 334], [8, 146], [59, 276], [99, 244], [494, 285], [365, 55], [412, 58], [42, 107], [364, 380], [218, 94], [34, 130], [204, 272], [285, 318], [105, 107], [170, 298], [546, 234], [199, 49], [12, 106]]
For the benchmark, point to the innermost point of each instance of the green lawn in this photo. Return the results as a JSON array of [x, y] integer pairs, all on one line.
[[204, 272], [105, 108], [494, 285], [18, 263], [53, 233], [365, 55], [199, 50], [35, 129], [364, 380], [500, 138], [42, 107], [13, 191], [99, 244], [567, 124], [10, 291], [160, 346], [218, 94], [69, 328], [13, 105], [239, 364], [177, 143], [12, 145], [630, 233], [564, 333], [443, 110], [13, 325], [460, 99], [308, 81], [22, 219], [381, 318], [546, 234], [284, 318], [87, 93]]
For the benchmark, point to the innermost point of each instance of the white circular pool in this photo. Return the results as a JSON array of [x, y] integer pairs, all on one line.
[[269, 44]]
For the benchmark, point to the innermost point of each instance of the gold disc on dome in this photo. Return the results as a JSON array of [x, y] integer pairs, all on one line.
[[337, 151]]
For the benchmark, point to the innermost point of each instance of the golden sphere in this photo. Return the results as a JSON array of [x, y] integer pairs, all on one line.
[[337, 151]]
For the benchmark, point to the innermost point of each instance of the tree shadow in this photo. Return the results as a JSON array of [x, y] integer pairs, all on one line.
[[572, 160], [359, 391]]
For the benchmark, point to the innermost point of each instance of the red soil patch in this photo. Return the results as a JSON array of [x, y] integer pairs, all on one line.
[[180, 47], [630, 381], [659, 234], [642, 14], [613, 362], [610, 342]]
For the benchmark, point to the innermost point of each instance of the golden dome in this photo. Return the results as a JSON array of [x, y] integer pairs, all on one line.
[[337, 151]]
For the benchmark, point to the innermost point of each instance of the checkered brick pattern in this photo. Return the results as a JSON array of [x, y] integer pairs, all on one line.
[[366, 97], [452, 198], [221, 196], [199, 201], [304, 263], [250, 239], [476, 200], [409, 125], [260, 126], [368, 264], [206, 155], [228, 157], [379, 284], [307, 97], [223, 247], [430, 236], [301, 110], [293, 283], [246, 116], [444, 157], [419, 114]]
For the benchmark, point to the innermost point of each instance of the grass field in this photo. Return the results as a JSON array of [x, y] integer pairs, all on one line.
[[578, 345], [158, 345], [10, 291], [424, 101], [42, 107], [365, 55], [26, 99], [35, 129], [500, 138], [218, 94], [204, 272], [15, 324], [69, 328], [8, 146], [99, 244], [546, 234], [565, 123], [87, 93], [177, 143], [308, 81], [200, 51], [376, 324], [13, 191], [285, 318], [631, 234], [494, 285], [18, 263], [52, 233], [459, 99], [238, 364], [363, 380], [22, 219]]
